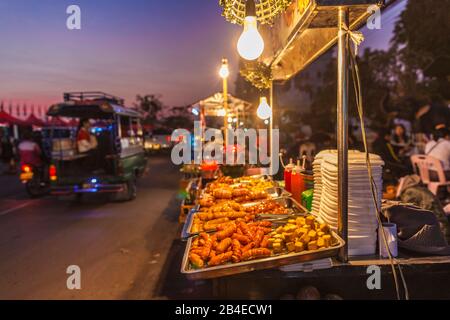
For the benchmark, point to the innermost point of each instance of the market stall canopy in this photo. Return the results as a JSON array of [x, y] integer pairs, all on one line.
[[8, 119], [32, 120], [213, 105], [306, 30]]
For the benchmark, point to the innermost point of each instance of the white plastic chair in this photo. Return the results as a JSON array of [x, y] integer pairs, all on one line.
[[431, 172], [418, 162]]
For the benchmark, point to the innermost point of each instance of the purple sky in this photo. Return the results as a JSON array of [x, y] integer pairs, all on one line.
[[172, 48]]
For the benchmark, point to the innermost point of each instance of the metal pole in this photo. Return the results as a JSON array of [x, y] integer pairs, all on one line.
[[271, 128], [225, 107], [342, 130]]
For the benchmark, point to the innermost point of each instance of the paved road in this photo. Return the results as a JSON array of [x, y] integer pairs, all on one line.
[[121, 248]]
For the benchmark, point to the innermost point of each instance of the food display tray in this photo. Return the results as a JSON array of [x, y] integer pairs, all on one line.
[[275, 261], [295, 210], [264, 177], [185, 232]]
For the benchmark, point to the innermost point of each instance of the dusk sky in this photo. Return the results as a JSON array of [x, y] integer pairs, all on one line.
[[172, 48]]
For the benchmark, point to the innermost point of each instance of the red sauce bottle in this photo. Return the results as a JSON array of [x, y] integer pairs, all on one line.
[[297, 183], [287, 175]]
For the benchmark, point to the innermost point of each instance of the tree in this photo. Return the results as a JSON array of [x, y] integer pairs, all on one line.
[[150, 105], [420, 37], [180, 117]]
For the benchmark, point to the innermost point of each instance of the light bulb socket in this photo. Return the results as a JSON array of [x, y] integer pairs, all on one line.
[[250, 8]]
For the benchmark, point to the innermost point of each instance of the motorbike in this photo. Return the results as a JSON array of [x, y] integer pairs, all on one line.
[[36, 185]]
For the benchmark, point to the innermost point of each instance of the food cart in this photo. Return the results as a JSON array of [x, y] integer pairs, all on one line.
[[296, 38]]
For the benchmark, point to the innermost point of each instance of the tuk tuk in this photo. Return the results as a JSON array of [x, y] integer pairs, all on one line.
[[119, 154]]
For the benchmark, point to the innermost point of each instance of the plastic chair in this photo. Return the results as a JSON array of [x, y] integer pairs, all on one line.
[[431, 172], [419, 165]]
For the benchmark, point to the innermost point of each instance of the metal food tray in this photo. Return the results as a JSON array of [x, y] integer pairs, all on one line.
[[258, 264], [258, 176], [274, 193], [288, 202], [185, 232]]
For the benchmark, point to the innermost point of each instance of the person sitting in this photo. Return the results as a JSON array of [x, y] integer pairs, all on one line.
[[87, 143], [85, 140], [439, 148], [400, 141]]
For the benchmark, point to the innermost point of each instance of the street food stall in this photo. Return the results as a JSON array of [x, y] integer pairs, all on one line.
[[222, 114], [213, 107], [240, 225]]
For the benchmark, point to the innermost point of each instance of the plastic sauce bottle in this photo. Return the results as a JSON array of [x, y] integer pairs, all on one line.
[[297, 184], [287, 175]]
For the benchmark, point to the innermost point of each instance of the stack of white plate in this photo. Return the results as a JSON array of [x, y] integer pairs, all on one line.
[[317, 172], [362, 220]]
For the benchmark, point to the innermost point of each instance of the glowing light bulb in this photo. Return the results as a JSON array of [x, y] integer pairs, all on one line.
[[264, 110], [224, 72], [250, 44]]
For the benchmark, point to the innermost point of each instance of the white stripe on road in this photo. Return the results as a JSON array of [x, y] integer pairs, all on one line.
[[20, 206]]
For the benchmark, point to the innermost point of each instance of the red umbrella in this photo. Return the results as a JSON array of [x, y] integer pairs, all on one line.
[[6, 118], [32, 120]]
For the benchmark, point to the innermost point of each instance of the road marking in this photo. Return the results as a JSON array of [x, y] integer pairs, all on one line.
[[20, 206]]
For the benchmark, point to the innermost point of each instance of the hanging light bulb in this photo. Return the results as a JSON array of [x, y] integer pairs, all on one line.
[[264, 110], [224, 72], [250, 44]]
